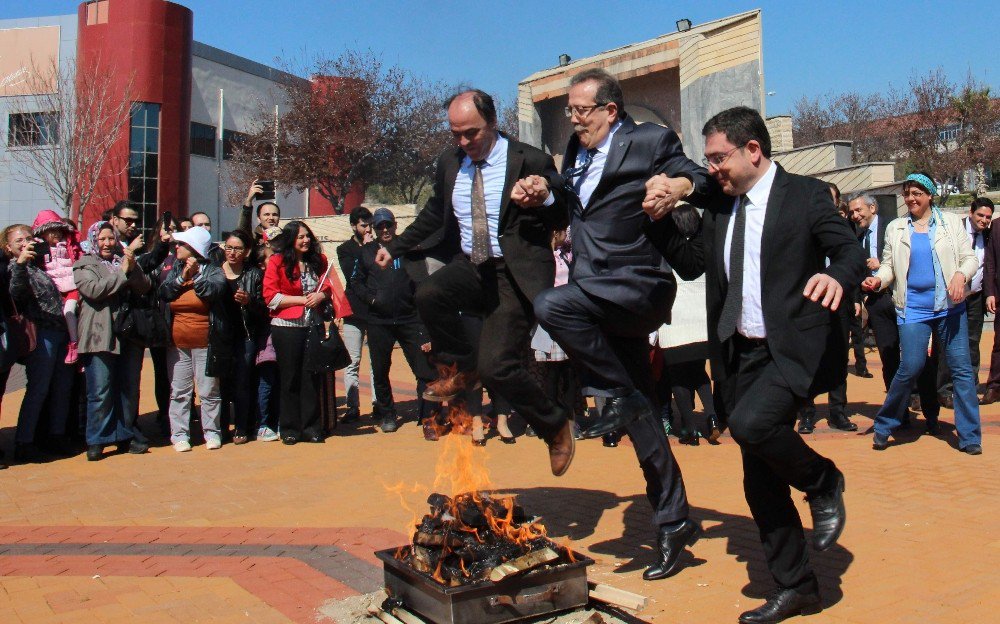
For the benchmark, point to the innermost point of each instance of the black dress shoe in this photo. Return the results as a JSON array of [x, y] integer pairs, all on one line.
[[618, 413], [947, 401], [880, 442], [289, 440], [315, 439], [841, 422], [610, 440], [932, 427], [135, 447], [806, 423], [95, 452], [350, 417], [828, 514], [389, 424], [862, 371], [783, 604], [715, 429], [671, 544]]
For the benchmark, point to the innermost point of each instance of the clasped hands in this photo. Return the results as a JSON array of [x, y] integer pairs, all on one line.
[[663, 193]]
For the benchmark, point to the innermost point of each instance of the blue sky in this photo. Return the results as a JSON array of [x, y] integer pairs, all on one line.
[[810, 48]]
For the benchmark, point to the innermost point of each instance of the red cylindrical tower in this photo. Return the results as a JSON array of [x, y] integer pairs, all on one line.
[[146, 43]]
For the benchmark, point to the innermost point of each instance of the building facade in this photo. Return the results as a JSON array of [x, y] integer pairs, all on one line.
[[190, 103]]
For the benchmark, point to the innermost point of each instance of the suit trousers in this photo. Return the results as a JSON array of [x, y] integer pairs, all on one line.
[[489, 291], [381, 340], [611, 362], [775, 459], [857, 336], [975, 313]]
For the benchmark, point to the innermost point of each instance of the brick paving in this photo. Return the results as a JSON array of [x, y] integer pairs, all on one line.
[[267, 533]]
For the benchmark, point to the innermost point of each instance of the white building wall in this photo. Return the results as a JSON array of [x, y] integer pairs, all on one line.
[[19, 200], [241, 94]]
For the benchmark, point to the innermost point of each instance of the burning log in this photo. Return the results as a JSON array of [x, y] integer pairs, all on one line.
[[477, 536], [523, 564]]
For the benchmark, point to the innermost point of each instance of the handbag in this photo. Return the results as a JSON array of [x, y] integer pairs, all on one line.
[[325, 350], [142, 326], [18, 339]]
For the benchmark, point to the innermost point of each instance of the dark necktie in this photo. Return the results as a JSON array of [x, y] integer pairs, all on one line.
[[733, 305], [578, 173], [867, 244], [480, 228]]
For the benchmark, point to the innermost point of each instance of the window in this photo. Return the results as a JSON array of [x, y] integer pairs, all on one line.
[[32, 129], [949, 133], [144, 165], [231, 138], [97, 12], [202, 139]]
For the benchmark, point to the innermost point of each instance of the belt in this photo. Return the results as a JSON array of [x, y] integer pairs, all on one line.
[[742, 340]]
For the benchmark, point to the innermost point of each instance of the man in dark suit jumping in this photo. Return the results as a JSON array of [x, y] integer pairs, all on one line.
[[500, 200], [619, 288], [774, 339]]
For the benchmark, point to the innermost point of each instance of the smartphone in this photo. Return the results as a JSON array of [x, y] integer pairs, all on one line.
[[168, 220], [267, 189]]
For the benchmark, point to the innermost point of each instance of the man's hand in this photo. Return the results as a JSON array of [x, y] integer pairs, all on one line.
[[530, 192], [128, 261], [241, 297], [136, 244], [663, 193], [190, 269], [871, 284], [255, 190], [991, 305], [383, 258], [873, 264], [824, 289], [857, 310], [27, 253], [956, 288], [426, 347]]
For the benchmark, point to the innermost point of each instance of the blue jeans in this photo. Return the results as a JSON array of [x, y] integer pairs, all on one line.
[[49, 383], [953, 334], [268, 391], [113, 395]]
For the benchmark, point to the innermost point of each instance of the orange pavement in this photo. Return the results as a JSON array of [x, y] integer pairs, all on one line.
[[267, 533]]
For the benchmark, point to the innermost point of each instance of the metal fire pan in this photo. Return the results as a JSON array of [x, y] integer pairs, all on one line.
[[536, 592]]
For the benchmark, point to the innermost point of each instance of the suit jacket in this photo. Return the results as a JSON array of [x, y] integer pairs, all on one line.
[[991, 260], [524, 234], [612, 257], [801, 229]]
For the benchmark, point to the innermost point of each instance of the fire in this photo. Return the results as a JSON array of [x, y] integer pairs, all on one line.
[[471, 529]]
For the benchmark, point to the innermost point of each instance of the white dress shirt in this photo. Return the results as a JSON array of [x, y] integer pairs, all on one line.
[[979, 246], [593, 175], [494, 177], [751, 321]]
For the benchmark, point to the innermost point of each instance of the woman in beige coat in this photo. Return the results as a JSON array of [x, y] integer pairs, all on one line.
[[105, 277], [929, 262]]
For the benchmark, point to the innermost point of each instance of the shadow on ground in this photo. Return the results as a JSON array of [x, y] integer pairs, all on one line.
[[574, 513]]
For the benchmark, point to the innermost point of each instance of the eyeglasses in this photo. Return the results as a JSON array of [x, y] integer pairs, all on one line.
[[385, 226], [582, 111], [718, 161], [231, 249]]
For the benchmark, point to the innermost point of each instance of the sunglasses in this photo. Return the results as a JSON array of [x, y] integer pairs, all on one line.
[[385, 226]]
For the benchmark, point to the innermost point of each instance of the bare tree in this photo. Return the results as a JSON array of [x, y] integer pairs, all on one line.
[[66, 129], [811, 118], [507, 119]]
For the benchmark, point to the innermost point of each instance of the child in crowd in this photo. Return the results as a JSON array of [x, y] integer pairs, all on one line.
[[58, 250]]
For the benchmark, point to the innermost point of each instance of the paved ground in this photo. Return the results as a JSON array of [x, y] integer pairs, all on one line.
[[267, 533]]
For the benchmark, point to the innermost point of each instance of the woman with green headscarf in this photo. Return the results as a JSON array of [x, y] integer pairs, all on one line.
[[929, 262]]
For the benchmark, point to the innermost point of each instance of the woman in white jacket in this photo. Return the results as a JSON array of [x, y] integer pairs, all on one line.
[[929, 261]]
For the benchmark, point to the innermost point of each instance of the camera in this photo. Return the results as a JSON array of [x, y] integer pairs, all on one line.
[[267, 189]]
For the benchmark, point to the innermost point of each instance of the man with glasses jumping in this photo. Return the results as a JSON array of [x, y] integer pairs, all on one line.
[[620, 289]]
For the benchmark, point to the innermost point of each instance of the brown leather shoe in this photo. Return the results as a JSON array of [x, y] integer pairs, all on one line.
[[450, 383], [992, 395], [561, 449]]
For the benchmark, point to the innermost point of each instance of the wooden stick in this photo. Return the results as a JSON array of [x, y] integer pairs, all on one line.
[[382, 615], [523, 564], [406, 617], [617, 597]]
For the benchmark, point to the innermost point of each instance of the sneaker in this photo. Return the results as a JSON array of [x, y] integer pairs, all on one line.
[[71, 354], [182, 446], [213, 444], [266, 434]]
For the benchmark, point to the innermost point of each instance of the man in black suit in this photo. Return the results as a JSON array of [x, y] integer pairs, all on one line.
[[774, 338], [619, 288], [863, 208], [502, 200]]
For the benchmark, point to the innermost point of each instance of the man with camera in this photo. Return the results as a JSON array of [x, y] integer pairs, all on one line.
[[268, 212]]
